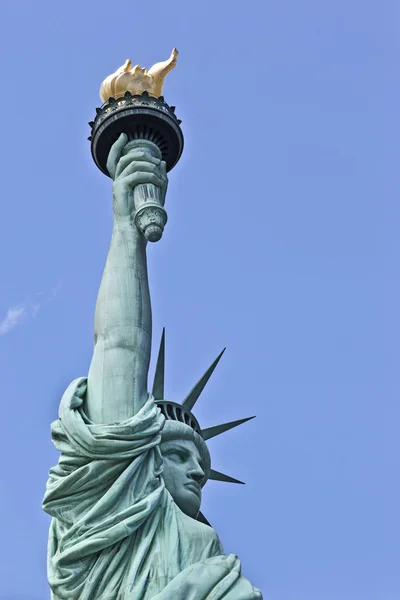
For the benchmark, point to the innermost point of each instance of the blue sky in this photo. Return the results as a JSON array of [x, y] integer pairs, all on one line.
[[282, 244]]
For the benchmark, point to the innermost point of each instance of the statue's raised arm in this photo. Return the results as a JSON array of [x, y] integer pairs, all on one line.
[[126, 493], [117, 382]]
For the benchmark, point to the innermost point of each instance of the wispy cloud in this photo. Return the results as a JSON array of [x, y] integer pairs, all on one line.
[[12, 318], [28, 308]]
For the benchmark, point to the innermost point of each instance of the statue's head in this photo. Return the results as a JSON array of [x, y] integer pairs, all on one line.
[[187, 461], [187, 465]]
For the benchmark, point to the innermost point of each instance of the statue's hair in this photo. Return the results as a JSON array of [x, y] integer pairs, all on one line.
[[174, 430]]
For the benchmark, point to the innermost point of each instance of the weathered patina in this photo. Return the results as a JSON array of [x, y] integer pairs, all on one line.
[[125, 495]]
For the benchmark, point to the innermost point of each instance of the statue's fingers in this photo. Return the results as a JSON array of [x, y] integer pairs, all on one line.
[[115, 153], [163, 168], [142, 177], [133, 156], [145, 167]]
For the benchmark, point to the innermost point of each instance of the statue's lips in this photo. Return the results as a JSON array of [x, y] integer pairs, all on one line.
[[193, 487]]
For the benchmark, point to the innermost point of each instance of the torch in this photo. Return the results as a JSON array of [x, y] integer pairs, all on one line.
[[134, 105]]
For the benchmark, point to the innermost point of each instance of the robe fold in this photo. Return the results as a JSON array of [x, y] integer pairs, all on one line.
[[116, 533]]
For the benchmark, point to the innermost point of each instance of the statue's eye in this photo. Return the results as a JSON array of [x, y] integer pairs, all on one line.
[[176, 455]]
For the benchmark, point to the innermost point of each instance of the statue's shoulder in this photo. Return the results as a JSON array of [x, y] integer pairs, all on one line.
[[203, 535], [193, 532]]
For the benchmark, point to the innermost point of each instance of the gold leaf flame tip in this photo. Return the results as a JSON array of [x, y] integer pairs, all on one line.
[[136, 80]]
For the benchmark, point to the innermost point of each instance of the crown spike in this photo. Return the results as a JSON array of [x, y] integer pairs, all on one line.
[[194, 394], [211, 432], [217, 476], [158, 384]]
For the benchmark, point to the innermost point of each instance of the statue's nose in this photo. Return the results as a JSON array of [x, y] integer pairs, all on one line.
[[197, 474]]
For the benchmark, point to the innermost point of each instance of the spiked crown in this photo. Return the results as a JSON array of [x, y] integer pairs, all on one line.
[[182, 413]]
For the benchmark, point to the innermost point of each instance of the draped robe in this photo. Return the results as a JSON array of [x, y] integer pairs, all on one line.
[[116, 533]]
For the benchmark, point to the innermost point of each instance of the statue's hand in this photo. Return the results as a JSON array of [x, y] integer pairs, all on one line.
[[130, 170]]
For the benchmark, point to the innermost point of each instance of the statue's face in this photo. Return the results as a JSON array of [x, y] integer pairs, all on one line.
[[183, 474]]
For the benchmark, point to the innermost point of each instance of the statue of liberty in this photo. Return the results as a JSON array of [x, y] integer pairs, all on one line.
[[125, 495]]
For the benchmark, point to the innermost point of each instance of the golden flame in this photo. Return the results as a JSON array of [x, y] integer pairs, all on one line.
[[137, 80]]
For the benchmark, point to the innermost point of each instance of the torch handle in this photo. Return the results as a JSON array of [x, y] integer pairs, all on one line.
[[150, 216]]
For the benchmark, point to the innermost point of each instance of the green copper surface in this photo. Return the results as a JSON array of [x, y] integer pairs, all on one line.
[[125, 495]]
